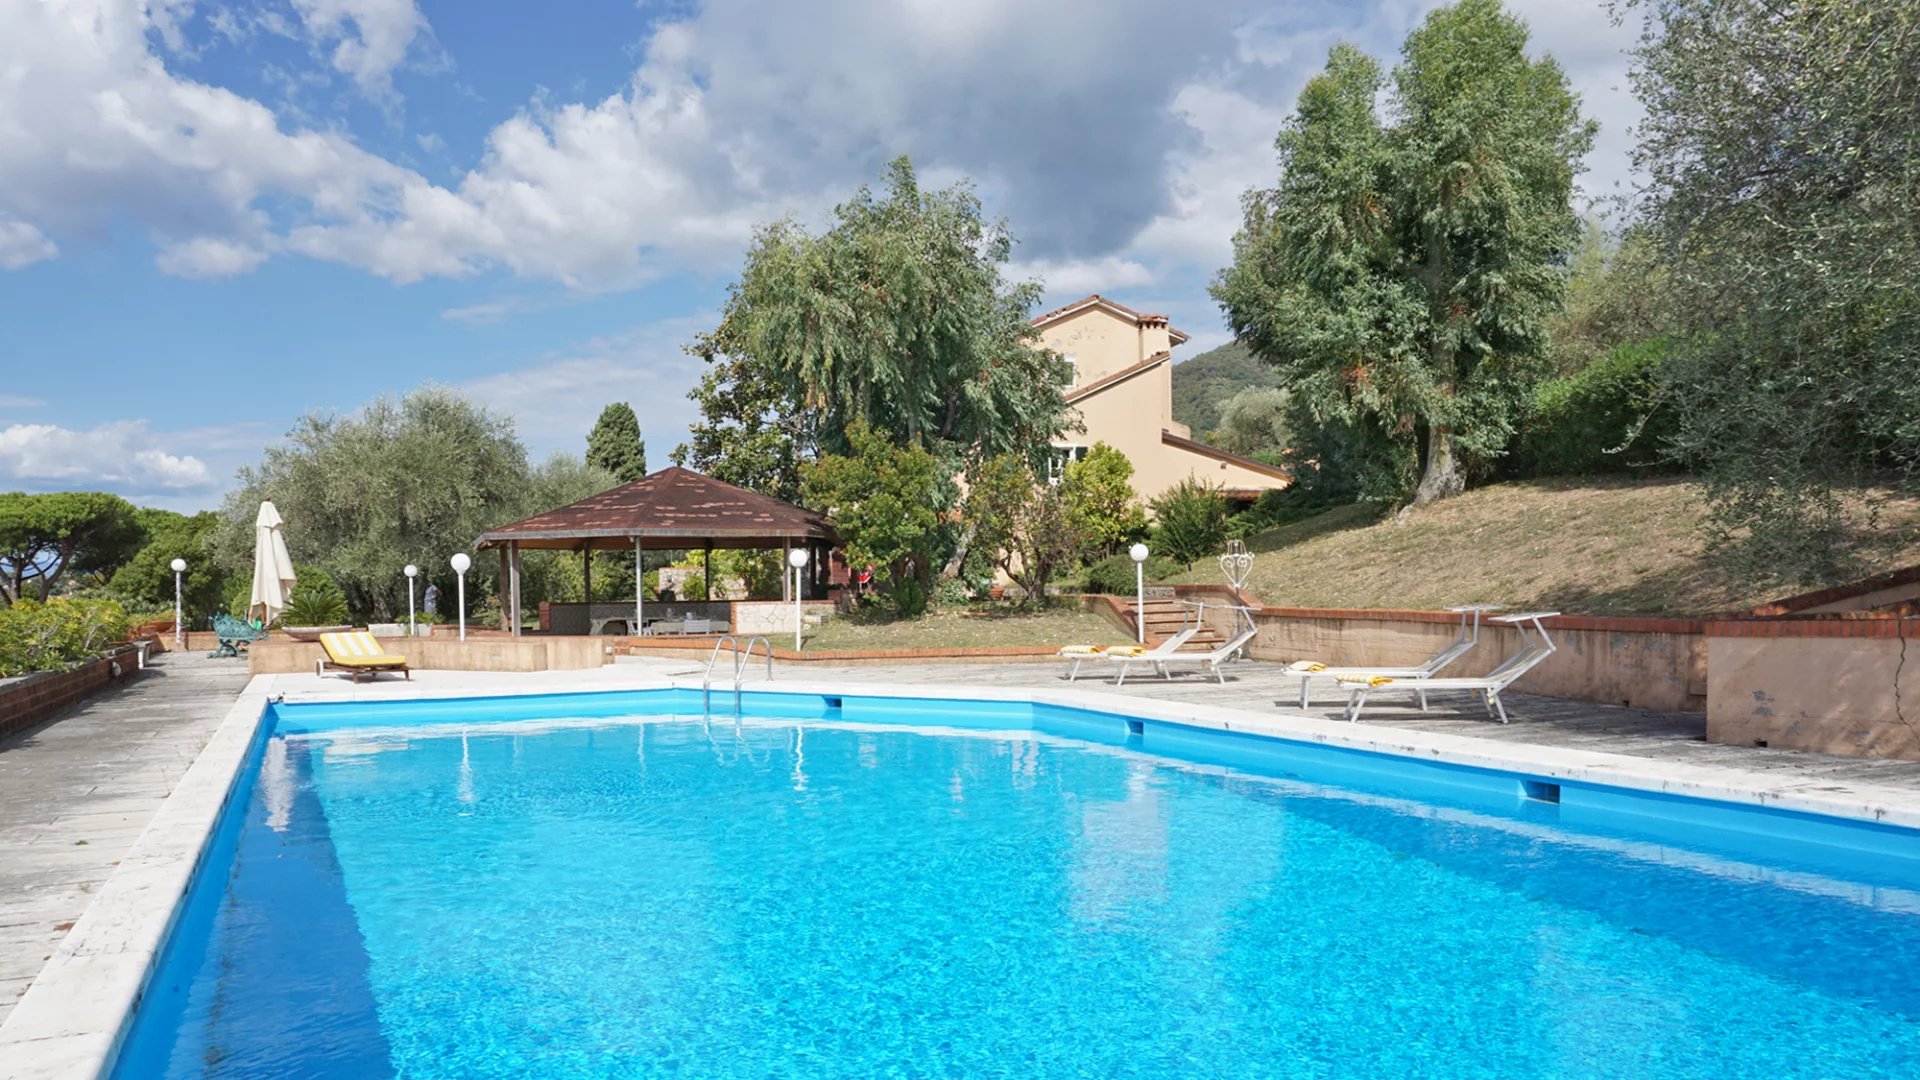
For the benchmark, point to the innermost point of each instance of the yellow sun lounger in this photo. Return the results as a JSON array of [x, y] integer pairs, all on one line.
[[357, 653], [1080, 654]]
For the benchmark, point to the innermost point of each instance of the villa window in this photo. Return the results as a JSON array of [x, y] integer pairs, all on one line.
[[1061, 457], [1074, 364]]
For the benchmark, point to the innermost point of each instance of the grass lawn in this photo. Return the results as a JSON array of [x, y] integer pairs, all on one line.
[[966, 627], [1595, 547]]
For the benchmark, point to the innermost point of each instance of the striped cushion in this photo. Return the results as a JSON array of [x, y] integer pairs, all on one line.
[[357, 648], [1307, 666], [1127, 650], [1083, 650]]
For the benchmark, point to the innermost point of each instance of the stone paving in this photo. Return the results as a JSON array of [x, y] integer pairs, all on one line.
[[76, 792]]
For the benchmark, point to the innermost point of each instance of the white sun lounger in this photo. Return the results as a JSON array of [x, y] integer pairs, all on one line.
[[1163, 662], [1489, 686], [1463, 642], [1080, 654]]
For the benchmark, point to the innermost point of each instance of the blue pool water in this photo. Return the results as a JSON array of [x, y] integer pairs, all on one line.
[[617, 898]]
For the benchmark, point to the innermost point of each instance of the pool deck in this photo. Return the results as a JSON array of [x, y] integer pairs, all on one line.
[[77, 793]]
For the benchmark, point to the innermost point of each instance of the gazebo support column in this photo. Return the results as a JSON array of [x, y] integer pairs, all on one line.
[[639, 590], [513, 584], [706, 573], [506, 587], [786, 579], [586, 571]]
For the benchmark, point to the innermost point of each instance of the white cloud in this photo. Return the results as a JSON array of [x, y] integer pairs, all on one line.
[[22, 245], [555, 401], [1117, 139], [1081, 276], [478, 314], [369, 38], [208, 257], [122, 454]]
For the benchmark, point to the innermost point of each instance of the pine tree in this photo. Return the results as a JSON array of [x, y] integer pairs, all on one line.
[[615, 444]]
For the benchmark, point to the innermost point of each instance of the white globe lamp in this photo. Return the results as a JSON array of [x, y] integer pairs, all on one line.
[[797, 558], [412, 571], [1138, 553], [179, 568], [461, 564]]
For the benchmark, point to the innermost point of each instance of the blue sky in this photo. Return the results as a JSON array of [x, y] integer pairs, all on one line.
[[216, 217]]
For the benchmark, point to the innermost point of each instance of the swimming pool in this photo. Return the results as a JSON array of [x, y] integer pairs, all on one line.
[[601, 885]]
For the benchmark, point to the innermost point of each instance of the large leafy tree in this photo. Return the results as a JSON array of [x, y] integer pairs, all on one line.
[[881, 498], [1782, 152], [1401, 274], [145, 581], [407, 480], [615, 444], [1028, 526], [897, 317], [750, 433], [46, 536], [1097, 496]]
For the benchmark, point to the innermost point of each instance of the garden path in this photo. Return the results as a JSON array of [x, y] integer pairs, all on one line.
[[77, 791]]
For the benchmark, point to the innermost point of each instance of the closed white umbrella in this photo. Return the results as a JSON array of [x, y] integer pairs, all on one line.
[[272, 566]]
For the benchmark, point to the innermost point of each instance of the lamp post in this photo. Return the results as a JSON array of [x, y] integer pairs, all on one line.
[[460, 563], [413, 628], [797, 558], [1138, 553], [179, 567]]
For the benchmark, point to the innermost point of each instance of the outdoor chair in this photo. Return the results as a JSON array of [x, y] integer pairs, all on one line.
[[1463, 642], [359, 654], [1164, 664], [1361, 686], [1129, 657], [234, 635], [1080, 654]]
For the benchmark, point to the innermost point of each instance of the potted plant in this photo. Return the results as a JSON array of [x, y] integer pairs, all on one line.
[[315, 607]]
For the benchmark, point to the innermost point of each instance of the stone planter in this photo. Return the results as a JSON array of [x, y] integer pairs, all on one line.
[[312, 633]]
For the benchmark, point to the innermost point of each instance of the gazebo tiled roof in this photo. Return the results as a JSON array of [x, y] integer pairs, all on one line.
[[680, 507]]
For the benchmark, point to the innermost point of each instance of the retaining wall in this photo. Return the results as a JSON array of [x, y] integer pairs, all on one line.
[[1645, 663], [35, 698], [1834, 686]]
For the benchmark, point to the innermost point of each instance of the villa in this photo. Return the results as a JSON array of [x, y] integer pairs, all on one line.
[[1122, 395]]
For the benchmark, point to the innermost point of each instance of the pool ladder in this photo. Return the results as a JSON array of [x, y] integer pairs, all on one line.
[[741, 657]]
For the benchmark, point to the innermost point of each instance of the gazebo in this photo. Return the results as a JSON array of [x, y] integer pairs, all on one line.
[[674, 509]]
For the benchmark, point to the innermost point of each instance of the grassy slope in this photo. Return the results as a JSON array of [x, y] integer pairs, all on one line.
[[964, 628], [1586, 546], [1203, 384]]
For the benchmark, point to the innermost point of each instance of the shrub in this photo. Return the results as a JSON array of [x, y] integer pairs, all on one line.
[[1190, 522], [316, 601], [1113, 575], [45, 637], [1276, 508], [1605, 418]]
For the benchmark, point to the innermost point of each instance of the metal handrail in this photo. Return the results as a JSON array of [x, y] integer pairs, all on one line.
[[706, 680], [740, 659]]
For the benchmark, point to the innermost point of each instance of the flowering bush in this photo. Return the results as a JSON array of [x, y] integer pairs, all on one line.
[[44, 637]]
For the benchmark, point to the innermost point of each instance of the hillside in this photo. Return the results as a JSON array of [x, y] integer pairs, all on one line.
[[1202, 385], [1582, 546]]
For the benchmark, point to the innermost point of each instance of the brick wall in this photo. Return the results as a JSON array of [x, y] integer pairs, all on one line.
[[37, 697]]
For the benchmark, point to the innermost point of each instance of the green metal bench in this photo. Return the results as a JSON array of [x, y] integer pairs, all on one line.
[[234, 635]]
